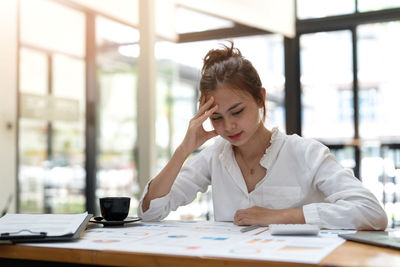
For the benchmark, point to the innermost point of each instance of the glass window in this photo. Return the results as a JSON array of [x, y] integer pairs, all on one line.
[[372, 168], [68, 135], [33, 80], [51, 142], [32, 138], [51, 26], [379, 81], [307, 9], [51, 174], [380, 175], [117, 116], [379, 121], [327, 86], [373, 5], [32, 156], [344, 155]]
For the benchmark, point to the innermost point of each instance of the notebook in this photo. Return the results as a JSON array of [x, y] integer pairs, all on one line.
[[384, 239]]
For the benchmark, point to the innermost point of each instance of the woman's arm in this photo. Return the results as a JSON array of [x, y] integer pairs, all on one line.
[[345, 203], [195, 137], [162, 183]]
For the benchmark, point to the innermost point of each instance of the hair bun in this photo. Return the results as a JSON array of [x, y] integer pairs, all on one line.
[[215, 56]]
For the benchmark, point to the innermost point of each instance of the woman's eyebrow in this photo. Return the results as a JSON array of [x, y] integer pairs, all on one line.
[[230, 108], [234, 106]]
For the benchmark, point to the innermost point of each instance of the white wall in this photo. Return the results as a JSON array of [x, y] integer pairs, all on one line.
[[8, 101]]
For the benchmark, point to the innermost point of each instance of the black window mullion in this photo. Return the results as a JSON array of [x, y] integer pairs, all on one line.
[[356, 114], [292, 85], [46, 197], [91, 129]]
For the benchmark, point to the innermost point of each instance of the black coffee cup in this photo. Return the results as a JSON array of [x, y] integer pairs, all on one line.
[[114, 208]]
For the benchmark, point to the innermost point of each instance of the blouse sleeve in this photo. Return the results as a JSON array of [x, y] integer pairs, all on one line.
[[349, 205], [194, 177]]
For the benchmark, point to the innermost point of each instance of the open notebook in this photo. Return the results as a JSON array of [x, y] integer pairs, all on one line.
[[384, 239]]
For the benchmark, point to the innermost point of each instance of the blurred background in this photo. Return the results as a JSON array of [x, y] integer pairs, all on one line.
[[97, 95]]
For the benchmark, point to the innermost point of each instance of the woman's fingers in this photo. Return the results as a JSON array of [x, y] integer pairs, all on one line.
[[238, 215], [202, 100], [211, 134], [204, 106], [203, 117]]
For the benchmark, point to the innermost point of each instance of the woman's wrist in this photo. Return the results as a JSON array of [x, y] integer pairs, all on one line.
[[295, 216], [182, 152]]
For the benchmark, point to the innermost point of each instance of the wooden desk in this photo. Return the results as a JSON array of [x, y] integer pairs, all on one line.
[[348, 254]]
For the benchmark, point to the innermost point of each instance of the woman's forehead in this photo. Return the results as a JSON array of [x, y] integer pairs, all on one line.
[[227, 92]]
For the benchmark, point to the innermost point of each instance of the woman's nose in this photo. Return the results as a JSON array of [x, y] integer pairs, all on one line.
[[230, 125]]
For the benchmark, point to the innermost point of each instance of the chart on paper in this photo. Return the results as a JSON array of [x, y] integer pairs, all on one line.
[[199, 238]]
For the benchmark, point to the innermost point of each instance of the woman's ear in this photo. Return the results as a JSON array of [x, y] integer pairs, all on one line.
[[264, 96], [264, 93]]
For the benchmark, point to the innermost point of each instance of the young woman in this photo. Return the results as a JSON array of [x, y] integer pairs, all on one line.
[[258, 176]]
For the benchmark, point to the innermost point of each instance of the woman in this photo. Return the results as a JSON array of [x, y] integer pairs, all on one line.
[[258, 176]]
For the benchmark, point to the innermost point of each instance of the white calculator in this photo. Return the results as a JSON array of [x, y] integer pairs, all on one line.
[[293, 229]]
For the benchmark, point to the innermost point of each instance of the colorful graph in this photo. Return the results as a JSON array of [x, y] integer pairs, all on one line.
[[106, 241], [245, 250], [214, 238], [192, 247], [131, 234], [177, 236], [259, 241], [298, 248], [204, 228]]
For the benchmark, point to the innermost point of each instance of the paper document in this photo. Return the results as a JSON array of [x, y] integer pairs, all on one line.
[[51, 224], [205, 239]]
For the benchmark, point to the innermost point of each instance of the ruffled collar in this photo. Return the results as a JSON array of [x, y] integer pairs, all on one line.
[[270, 155], [227, 158]]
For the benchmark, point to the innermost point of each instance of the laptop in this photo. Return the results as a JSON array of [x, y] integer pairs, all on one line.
[[383, 239]]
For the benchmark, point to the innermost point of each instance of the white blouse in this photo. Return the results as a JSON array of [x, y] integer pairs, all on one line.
[[301, 173]]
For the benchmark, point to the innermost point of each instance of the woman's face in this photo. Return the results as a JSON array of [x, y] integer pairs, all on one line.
[[237, 117]]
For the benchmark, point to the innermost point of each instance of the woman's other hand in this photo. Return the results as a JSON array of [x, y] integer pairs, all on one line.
[[264, 217]]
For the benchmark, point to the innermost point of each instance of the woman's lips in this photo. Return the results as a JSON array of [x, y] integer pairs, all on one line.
[[235, 136]]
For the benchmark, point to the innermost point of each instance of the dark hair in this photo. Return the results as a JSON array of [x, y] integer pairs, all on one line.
[[227, 66]]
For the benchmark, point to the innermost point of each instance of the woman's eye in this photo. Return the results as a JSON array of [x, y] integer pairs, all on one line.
[[216, 118], [238, 112]]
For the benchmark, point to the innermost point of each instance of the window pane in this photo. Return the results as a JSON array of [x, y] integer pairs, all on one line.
[[307, 9], [373, 5], [380, 173], [33, 138], [33, 80], [327, 86], [117, 118], [32, 165], [345, 156], [52, 26], [67, 172], [379, 82], [52, 109], [371, 169]]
